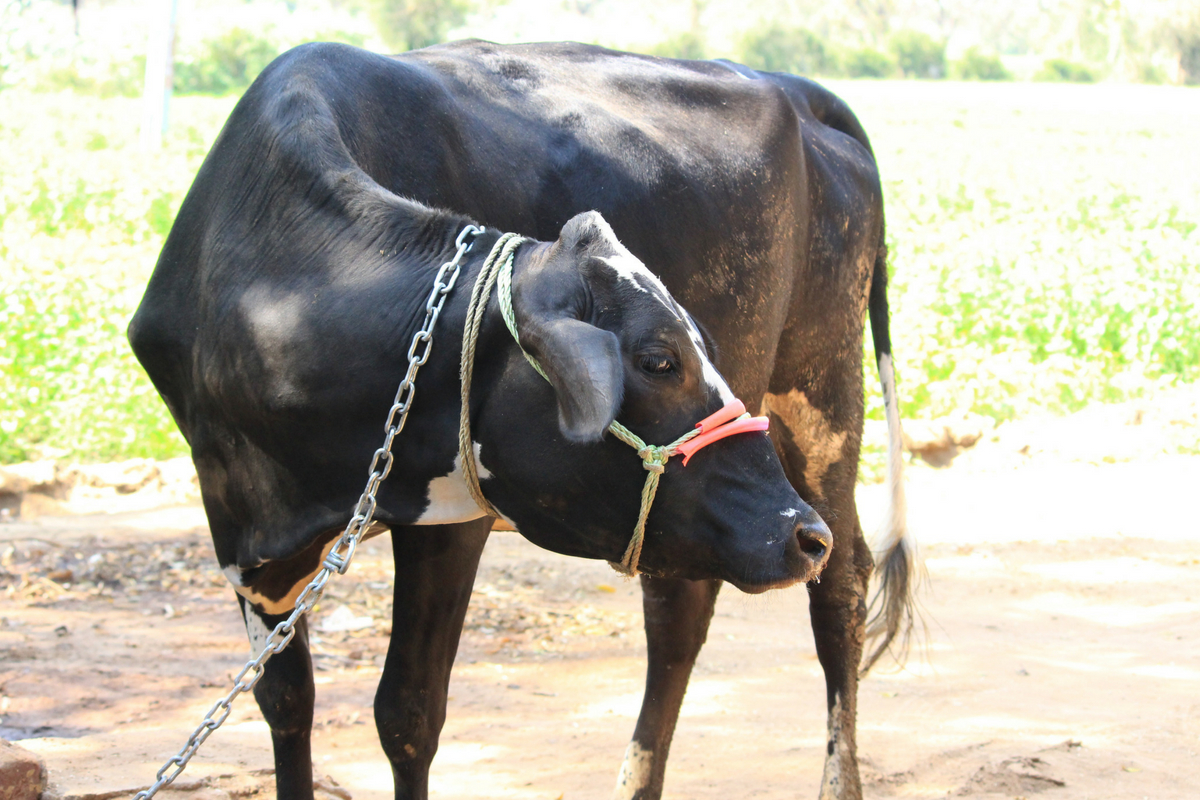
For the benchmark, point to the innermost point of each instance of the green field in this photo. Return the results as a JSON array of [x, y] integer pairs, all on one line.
[[1044, 249]]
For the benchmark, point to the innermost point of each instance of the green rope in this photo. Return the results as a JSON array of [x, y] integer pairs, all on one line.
[[497, 271], [502, 253]]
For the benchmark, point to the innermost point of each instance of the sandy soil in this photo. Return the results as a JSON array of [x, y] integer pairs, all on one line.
[[1062, 657]]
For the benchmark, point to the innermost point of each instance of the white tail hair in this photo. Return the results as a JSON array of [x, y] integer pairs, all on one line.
[[893, 609]]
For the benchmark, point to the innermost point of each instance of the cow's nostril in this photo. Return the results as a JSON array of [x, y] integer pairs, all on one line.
[[814, 540]]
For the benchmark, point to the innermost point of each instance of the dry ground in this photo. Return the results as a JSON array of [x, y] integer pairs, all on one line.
[[1063, 653]]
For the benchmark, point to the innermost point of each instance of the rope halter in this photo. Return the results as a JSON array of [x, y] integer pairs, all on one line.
[[497, 271]]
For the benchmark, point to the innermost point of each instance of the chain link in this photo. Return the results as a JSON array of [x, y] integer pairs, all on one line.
[[338, 558]]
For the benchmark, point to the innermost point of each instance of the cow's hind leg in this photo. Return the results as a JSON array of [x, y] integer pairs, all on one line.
[[837, 607], [435, 569], [677, 614], [285, 695]]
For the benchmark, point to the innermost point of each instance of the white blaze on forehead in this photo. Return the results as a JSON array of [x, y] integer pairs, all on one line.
[[635, 772], [449, 499], [630, 269], [711, 376]]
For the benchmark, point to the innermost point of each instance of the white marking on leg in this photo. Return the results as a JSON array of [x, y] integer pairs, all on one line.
[[811, 433], [831, 778], [449, 499], [256, 628], [635, 772]]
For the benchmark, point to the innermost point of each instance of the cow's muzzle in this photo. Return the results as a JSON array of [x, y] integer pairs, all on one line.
[[815, 540], [805, 554]]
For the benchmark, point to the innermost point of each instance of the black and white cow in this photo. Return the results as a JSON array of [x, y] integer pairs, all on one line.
[[278, 318]]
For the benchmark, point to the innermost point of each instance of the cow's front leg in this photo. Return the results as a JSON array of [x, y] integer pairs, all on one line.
[[435, 569], [285, 696], [677, 615], [837, 607]]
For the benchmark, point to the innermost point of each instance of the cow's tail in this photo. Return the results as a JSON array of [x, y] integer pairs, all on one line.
[[893, 609]]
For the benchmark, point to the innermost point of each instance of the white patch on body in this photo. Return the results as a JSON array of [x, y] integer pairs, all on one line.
[[233, 574], [449, 499], [256, 629], [831, 778], [287, 603], [811, 433], [894, 526], [276, 324], [635, 771]]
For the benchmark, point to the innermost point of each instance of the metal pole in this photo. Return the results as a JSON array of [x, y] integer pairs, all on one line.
[[160, 73]]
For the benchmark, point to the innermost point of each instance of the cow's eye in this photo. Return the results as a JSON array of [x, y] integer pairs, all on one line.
[[657, 364]]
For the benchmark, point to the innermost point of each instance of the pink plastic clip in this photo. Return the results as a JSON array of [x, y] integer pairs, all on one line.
[[732, 411], [690, 447]]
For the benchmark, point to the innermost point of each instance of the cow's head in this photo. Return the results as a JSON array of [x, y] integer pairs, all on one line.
[[616, 345]]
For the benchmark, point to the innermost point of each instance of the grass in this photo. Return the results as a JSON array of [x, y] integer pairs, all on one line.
[[1044, 251], [83, 213]]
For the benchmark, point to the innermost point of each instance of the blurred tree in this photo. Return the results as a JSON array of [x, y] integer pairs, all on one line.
[[868, 63], [918, 55], [782, 49], [976, 65], [684, 45], [875, 16], [1184, 39], [225, 63], [1059, 69], [411, 24], [692, 43]]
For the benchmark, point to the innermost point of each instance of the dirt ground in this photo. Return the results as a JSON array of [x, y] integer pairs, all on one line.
[[1062, 656]]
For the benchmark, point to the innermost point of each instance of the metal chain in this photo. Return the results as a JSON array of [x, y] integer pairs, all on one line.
[[338, 558]]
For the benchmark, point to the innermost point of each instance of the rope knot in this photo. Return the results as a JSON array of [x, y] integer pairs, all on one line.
[[654, 458]]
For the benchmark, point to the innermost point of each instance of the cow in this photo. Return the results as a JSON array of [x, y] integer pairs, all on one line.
[[698, 232]]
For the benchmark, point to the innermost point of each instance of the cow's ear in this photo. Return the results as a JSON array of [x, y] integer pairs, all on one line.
[[583, 363]]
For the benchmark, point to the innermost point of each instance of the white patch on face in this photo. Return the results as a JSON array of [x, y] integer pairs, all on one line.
[[831, 778], [256, 629], [790, 513], [810, 431], [635, 772], [449, 499], [626, 265], [630, 269], [711, 376]]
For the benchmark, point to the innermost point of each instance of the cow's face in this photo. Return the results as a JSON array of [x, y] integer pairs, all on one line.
[[616, 345]]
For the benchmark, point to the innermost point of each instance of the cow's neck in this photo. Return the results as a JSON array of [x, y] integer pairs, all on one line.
[[429, 463]]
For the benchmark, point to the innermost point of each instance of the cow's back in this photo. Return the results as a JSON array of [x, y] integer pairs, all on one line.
[[710, 173]]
